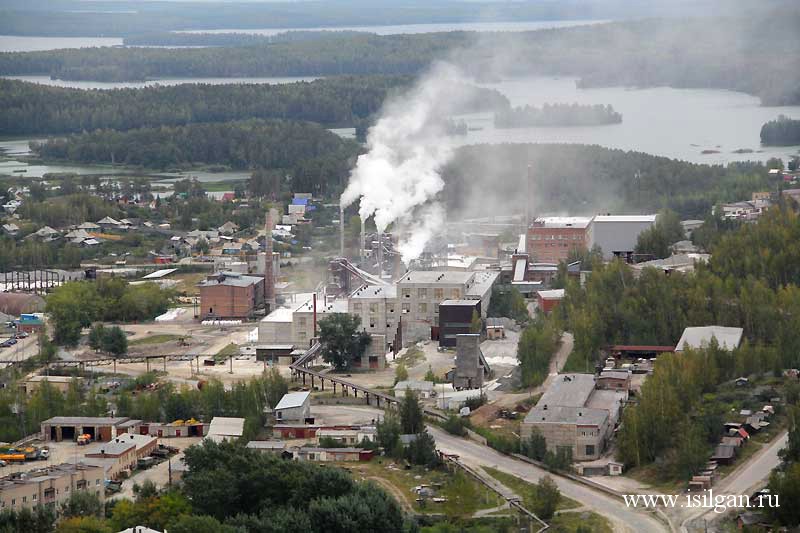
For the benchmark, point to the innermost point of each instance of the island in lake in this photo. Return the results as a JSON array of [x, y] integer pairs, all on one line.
[[551, 115]]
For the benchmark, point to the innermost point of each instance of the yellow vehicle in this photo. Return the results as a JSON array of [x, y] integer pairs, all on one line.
[[13, 457]]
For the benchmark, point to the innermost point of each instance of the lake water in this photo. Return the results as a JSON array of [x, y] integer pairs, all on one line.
[[45, 80], [676, 123]]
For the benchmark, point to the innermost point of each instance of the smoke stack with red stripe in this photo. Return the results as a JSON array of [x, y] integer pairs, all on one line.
[[269, 276]]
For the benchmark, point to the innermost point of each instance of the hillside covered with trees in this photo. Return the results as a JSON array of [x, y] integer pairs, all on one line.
[[240, 145], [27, 108], [657, 52], [586, 180], [346, 101]]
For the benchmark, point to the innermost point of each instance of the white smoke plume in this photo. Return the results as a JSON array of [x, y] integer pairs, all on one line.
[[397, 180]]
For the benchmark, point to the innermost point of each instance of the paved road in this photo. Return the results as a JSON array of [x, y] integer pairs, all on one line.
[[24, 349], [476, 455], [743, 480]]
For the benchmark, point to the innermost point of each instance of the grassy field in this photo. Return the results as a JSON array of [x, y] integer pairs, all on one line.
[[464, 495], [526, 491], [154, 339], [564, 520]]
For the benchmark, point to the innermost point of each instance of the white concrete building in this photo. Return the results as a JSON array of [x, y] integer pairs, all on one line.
[[224, 428], [293, 407], [700, 337], [616, 235]]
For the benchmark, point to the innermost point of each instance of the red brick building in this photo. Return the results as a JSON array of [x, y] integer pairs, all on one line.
[[229, 295], [548, 300], [551, 239]]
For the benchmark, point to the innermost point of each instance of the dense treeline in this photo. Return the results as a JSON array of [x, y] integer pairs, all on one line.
[[27, 108], [556, 115], [240, 145], [653, 53], [587, 180], [262, 492], [752, 282], [76, 305], [782, 131], [327, 56], [686, 393], [243, 399], [169, 38], [44, 403]]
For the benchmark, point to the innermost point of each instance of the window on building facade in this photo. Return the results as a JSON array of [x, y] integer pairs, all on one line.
[[455, 294], [356, 308], [438, 294], [406, 308], [423, 308], [406, 293], [422, 293], [590, 449], [373, 308]]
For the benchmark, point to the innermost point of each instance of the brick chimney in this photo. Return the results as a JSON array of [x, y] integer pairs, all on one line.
[[269, 278]]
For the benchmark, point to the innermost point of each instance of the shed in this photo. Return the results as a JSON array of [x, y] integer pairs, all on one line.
[[294, 407], [225, 429]]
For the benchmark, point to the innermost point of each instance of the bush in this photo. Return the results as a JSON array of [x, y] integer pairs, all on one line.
[[455, 425]]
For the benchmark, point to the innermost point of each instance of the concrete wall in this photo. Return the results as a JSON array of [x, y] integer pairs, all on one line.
[[614, 237]]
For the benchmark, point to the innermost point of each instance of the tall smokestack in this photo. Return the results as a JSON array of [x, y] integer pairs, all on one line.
[[362, 243], [269, 277], [528, 181], [341, 230]]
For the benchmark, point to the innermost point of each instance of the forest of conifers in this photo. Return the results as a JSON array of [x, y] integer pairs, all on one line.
[[239, 145], [346, 101], [661, 52], [782, 131]]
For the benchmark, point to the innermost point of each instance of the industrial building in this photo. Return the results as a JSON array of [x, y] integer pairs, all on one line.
[[59, 383], [225, 429], [230, 295], [455, 318], [52, 485], [727, 338], [295, 323], [616, 235], [548, 300], [376, 305], [421, 291], [119, 456], [553, 239], [101, 429], [572, 414], [471, 367]]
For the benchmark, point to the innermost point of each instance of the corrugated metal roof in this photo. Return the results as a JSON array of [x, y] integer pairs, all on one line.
[[292, 399]]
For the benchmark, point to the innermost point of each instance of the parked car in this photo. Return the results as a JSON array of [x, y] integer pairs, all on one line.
[[22, 335], [2, 463]]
